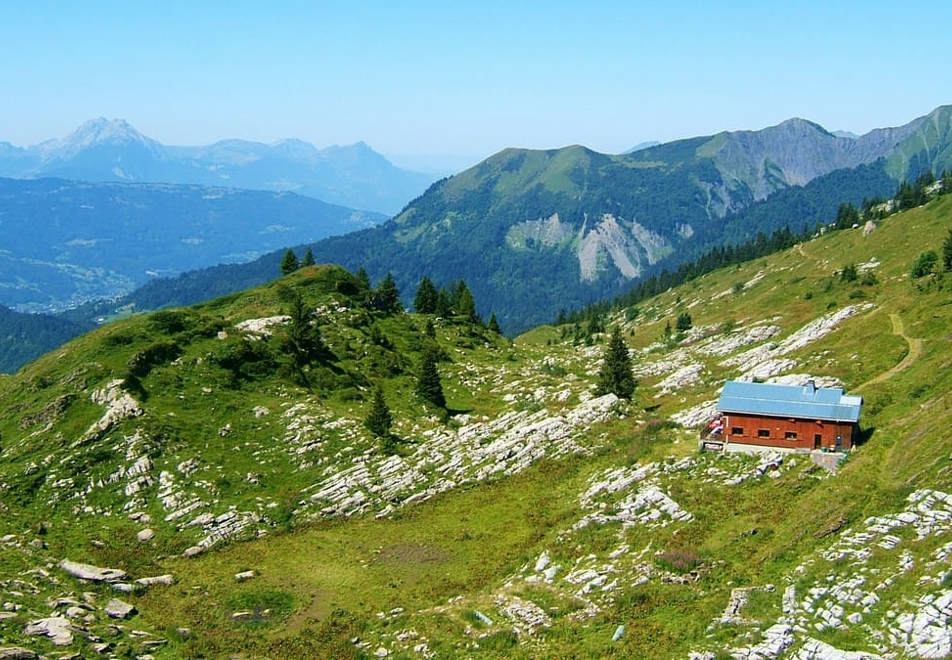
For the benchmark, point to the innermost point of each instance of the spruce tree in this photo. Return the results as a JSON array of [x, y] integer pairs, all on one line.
[[615, 375], [304, 341], [386, 297], [363, 279], [308, 259], [465, 303], [947, 252], [426, 297], [289, 263], [494, 324], [379, 419], [684, 322], [429, 386], [444, 305]]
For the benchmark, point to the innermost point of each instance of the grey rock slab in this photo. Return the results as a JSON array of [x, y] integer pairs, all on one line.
[[119, 609], [16, 653], [92, 573], [57, 628]]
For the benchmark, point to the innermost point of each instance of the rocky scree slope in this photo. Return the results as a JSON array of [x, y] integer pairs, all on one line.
[[610, 534]]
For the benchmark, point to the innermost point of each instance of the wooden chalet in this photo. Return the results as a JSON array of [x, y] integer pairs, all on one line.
[[755, 416]]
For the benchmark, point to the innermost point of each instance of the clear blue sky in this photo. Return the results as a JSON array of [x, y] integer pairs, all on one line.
[[467, 78]]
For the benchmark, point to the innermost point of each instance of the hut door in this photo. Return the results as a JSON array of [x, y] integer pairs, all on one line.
[[817, 440]]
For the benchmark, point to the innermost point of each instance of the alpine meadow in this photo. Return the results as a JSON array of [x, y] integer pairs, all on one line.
[[467, 393]]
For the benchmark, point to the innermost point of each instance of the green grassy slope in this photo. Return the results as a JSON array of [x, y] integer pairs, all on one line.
[[643, 531]]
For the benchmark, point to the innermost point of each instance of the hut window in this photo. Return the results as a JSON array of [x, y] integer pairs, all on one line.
[[763, 433], [737, 430], [790, 435]]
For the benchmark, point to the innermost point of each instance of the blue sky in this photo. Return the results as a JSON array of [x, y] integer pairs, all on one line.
[[467, 78]]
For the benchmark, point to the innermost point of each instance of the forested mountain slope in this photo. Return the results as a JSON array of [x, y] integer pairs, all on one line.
[[537, 231]]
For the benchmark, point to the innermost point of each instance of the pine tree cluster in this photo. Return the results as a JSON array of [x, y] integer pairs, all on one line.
[[454, 301]]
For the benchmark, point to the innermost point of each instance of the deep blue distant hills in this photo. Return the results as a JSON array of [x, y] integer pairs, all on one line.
[[66, 242]]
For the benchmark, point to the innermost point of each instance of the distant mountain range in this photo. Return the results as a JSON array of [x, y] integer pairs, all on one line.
[[66, 242], [536, 231], [112, 150]]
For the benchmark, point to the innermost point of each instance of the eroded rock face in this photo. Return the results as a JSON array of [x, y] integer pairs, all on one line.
[[92, 573], [119, 406]]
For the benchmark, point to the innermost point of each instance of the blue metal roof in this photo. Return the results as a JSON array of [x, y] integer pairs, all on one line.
[[799, 401]]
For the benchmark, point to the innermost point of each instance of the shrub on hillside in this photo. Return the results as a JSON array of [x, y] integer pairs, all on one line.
[[142, 362], [680, 560], [924, 264]]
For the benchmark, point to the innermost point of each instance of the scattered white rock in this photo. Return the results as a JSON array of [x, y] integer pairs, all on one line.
[[262, 327]]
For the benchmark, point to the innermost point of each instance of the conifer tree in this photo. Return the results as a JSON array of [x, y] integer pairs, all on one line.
[[289, 263], [426, 297], [379, 419], [429, 386], [386, 297], [684, 322], [846, 216], [849, 273], [308, 259], [304, 341], [494, 324], [947, 252], [444, 305], [615, 375], [363, 279], [465, 303]]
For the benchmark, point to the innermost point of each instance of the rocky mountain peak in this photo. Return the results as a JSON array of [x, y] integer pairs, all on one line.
[[102, 130]]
